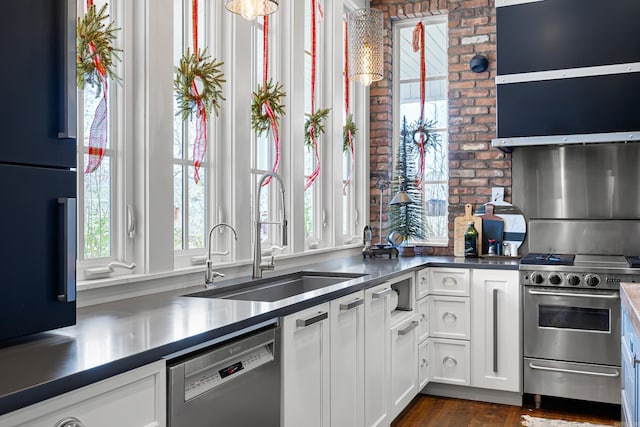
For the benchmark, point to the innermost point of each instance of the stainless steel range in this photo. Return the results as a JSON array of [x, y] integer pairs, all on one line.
[[571, 324]]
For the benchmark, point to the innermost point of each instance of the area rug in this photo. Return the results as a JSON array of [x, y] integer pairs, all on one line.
[[529, 421]]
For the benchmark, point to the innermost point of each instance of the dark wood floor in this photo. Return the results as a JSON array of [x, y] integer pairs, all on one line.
[[431, 411]]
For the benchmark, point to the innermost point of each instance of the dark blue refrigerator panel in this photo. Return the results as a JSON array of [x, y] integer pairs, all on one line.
[[37, 254], [37, 82]]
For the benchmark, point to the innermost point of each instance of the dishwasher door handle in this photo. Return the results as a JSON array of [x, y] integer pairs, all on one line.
[[318, 317]]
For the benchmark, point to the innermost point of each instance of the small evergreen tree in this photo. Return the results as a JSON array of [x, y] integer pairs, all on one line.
[[408, 219]]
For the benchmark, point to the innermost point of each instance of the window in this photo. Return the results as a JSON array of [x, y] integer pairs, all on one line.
[[434, 186], [98, 229], [190, 199]]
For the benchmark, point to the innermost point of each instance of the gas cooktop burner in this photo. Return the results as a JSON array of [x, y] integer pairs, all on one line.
[[547, 259]]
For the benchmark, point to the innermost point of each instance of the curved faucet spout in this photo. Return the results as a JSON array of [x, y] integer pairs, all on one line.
[[209, 273], [257, 250]]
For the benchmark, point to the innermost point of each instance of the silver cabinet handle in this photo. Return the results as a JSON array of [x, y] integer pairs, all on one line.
[[495, 330], [69, 66], [68, 231], [613, 295], [381, 294], [353, 304], [449, 314], [449, 282], [449, 362], [69, 422], [408, 329], [423, 363], [573, 371], [302, 323]]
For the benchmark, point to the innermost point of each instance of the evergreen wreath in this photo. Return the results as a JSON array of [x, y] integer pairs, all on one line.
[[273, 94], [197, 65], [317, 121], [350, 125], [91, 31]]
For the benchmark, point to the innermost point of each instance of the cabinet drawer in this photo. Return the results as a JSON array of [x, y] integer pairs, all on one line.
[[423, 365], [449, 317], [448, 281], [423, 313], [423, 283], [449, 361]]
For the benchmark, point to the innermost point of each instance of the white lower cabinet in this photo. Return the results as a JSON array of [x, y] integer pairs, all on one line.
[[347, 360], [404, 367], [305, 373], [449, 361], [449, 317], [133, 399], [495, 347], [424, 371], [377, 355]]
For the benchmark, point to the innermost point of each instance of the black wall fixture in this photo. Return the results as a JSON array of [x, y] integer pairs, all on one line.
[[479, 64]]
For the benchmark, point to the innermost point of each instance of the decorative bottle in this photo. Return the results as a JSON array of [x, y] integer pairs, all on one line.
[[471, 241]]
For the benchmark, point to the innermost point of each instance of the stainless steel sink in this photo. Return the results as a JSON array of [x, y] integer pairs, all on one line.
[[277, 288]]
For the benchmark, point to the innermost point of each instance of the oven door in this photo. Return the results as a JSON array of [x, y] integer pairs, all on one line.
[[577, 325]]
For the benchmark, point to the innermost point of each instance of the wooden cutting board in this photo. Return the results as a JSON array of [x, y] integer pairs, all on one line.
[[460, 225], [492, 228]]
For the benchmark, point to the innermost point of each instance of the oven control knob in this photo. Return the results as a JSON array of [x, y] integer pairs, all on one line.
[[592, 280], [555, 279], [537, 278], [573, 279]]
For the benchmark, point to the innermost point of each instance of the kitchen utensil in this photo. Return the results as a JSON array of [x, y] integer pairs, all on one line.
[[460, 225], [492, 228]]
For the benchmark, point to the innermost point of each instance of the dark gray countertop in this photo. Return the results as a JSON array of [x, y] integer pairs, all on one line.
[[115, 337]]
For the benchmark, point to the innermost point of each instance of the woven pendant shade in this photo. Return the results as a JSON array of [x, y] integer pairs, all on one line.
[[365, 45], [250, 9]]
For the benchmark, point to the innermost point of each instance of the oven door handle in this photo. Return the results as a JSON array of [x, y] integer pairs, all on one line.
[[573, 371], [569, 294]]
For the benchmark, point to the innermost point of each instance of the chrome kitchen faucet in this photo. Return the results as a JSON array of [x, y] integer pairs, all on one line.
[[209, 274], [258, 266]]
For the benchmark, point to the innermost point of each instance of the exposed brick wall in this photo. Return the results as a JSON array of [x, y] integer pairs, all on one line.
[[474, 166]]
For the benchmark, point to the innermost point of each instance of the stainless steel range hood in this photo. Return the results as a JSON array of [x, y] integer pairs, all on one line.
[[509, 143]]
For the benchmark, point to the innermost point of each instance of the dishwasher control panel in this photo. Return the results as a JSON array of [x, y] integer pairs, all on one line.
[[215, 375]]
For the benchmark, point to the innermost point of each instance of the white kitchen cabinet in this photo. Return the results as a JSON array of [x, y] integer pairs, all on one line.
[[424, 371], [377, 342], [404, 365], [305, 372], [133, 399], [449, 361], [347, 360], [423, 317], [449, 281], [495, 347], [422, 287], [449, 317]]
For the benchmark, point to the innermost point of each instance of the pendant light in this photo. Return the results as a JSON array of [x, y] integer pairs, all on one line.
[[365, 45], [250, 9]]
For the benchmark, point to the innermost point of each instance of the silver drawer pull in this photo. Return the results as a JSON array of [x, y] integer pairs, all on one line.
[[381, 294], [302, 323], [423, 363], [408, 329], [423, 317], [353, 304], [69, 422], [449, 315], [449, 362], [573, 371], [579, 295], [449, 282]]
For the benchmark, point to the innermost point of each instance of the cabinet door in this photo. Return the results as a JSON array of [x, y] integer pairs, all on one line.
[[449, 317], [404, 372], [347, 361], [305, 365], [422, 289], [423, 313], [449, 361], [33, 39], [424, 372], [449, 281], [133, 399], [376, 356], [495, 349]]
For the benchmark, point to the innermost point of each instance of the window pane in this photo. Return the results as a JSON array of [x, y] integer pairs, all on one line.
[[197, 212], [177, 207], [435, 209], [436, 166], [97, 211]]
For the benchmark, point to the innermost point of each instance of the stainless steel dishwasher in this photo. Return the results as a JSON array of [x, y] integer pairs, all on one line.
[[233, 383]]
